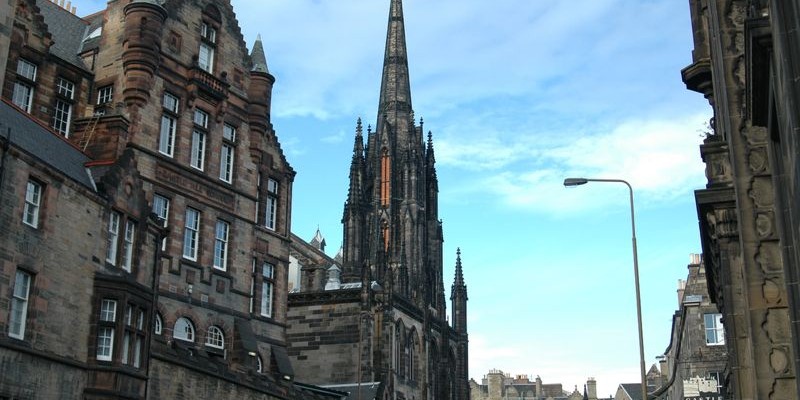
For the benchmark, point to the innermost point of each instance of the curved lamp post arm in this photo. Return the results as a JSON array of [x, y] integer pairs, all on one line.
[[569, 182]]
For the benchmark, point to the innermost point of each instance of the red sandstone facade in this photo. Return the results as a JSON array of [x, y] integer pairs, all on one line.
[[161, 272]]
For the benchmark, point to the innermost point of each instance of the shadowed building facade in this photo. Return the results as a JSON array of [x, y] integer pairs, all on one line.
[[381, 317], [746, 62]]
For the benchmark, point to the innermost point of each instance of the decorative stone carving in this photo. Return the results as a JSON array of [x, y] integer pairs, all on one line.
[[772, 292], [755, 135], [722, 223], [768, 257], [776, 326], [778, 360], [757, 160], [761, 192], [765, 225]]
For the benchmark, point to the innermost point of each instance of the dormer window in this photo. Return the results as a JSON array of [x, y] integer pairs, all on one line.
[[23, 87], [208, 40]]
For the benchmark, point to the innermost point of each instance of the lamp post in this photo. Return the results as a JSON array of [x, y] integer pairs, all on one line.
[[569, 182]]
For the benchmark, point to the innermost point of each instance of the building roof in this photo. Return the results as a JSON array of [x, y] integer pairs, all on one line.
[[632, 390], [42, 143], [67, 31], [369, 390]]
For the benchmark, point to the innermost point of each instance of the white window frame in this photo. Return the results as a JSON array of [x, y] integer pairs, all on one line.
[[271, 205], [191, 234], [127, 245], [105, 333], [268, 276], [23, 91], [221, 232], [184, 330], [227, 153], [714, 331], [65, 88], [105, 94], [18, 314], [113, 237], [62, 115], [33, 201], [215, 337], [158, 324], [198, 149], [200, 118], [161, 209], [169, 124]]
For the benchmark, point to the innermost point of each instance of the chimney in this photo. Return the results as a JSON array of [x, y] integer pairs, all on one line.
[[591, 386]]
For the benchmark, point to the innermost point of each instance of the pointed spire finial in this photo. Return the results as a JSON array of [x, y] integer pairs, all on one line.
[[395, 95], [258, 58], [358, 127], [459, 278]]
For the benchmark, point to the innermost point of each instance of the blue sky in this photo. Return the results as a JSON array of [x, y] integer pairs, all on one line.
[[519, 94]]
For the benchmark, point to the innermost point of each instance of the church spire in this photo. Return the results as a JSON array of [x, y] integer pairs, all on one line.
[[395, 96]]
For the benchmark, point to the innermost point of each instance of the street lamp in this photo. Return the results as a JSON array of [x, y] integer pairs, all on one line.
[[569, 182]]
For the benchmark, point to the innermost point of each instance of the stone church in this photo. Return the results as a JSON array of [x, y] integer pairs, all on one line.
[[375, 319]]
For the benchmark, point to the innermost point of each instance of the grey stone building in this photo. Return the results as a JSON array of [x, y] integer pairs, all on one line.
[[746, 62], [497, 385], [378, 316], [695, 360], [145, 208]]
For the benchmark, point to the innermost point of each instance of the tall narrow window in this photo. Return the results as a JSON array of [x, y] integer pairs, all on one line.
[[23, 87], [33, 198], [385, 234], [226, 153], [385, 176], [62, 111], [271, 211], [715, 334], [19, 305], [221, 245], [133, 337], [197, 158], [208, 39], [268, 274], [113, 237], [105, 329], [198, 149], [127, 245], [161, 209], [190, 234], [169, 123]]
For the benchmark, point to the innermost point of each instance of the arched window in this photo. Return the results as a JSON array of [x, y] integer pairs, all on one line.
[[157, 325], [215, 338], [184, 330], [259, 365]]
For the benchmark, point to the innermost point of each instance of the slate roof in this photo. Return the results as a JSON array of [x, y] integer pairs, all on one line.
[[42, 143], [633, 390], [369, 390], [67, 31]]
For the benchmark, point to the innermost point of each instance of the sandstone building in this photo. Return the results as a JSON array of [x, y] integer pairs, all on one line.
[[146, 207], [694, 362], [376, 318], [497, 385], [746, 62]]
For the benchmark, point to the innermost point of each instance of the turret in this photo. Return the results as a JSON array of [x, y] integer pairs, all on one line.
[[144, 21], [353, 219], [259, 93]]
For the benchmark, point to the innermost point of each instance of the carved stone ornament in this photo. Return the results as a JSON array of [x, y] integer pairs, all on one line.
[[761, 192], [765, 225], [757, 160], [722, 224], [772, 292], [776, 326], [755, 135], [768, 258]]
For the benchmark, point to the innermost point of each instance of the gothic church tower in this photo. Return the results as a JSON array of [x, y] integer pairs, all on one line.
[[391, 221]]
